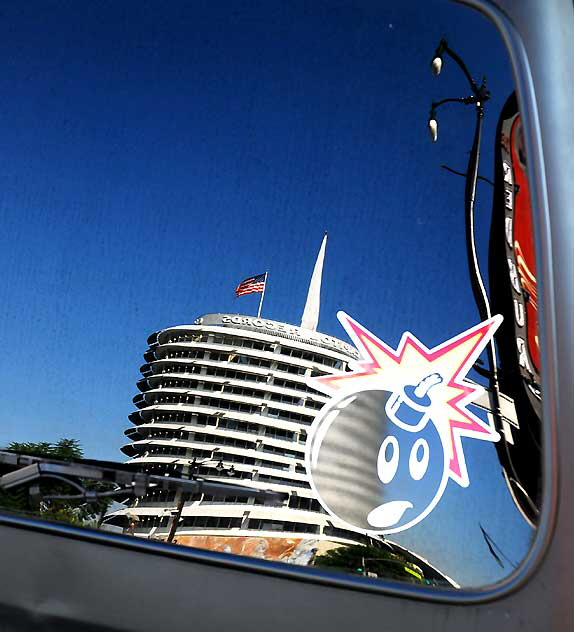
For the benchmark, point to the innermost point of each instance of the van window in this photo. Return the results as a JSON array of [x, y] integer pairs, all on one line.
[[270, 268]]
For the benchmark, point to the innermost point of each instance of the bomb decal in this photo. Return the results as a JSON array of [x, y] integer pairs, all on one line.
[[382, 450]]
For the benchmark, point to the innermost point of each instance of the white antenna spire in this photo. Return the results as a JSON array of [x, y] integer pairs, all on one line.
[[310, 318]]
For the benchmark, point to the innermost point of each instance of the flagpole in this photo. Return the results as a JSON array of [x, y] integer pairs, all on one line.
[[262, 295]]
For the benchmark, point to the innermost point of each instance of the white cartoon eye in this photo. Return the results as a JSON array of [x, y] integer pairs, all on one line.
[[388, 460], [419, 459]]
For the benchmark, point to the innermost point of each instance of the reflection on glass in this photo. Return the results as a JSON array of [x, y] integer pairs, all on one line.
[[161, 158], [512, 254]]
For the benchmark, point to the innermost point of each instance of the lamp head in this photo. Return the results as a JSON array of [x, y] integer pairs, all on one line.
[[436, 66], [436, 63], [433, 128]]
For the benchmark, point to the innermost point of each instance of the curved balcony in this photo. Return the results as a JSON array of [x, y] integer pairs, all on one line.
[[134, 434]]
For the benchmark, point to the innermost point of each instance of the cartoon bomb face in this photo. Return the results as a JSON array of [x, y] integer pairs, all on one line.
[[376, 460], [381, 452]]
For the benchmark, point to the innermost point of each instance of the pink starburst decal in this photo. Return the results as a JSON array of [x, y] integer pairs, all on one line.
[[384, 368]]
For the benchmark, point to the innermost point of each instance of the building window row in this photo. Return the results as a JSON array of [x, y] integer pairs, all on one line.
[[208, 386], [264, 524], [222, 440], [219, 441], [259, 524], [183, 418], [233, 374], [198, 400], [168, 434], [176, 383], [159, 496], [187, 337], [220, 387], [273, 449], [246, 343], [214, 356], [212, 472], [210, 522], [166, 450], [274, 465], [152, 521], [309, 356], [233, 390], [279, 480], [190, 354], [210, 499], [177, 470], [175, 398], [163, 469], [235, 458], [296, 401], [305, 504], [285, 435], [226, 404], [223, 423], [200, 437], [225, 356], [295, 386], [276, 413], [176, 367], [246, 460], [287, 399], [175, 452], [260, 394], [168, 399], [239, 426], [291, 368], [260, 363], [246, 360]]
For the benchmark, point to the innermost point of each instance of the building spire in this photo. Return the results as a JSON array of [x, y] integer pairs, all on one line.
[[310, 318]]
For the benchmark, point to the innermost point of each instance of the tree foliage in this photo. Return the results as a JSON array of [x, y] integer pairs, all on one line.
[[371, 561], [64, 449]]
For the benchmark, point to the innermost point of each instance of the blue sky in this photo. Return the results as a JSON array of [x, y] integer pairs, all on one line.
[[153, 157]]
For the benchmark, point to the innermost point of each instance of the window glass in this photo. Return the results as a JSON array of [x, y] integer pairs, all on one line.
[[312, 221]]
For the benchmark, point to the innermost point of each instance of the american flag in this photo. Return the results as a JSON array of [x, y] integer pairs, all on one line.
[[252, 285]]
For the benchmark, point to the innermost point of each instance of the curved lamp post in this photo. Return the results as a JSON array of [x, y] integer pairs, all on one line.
[[194, 466], [478, 98]]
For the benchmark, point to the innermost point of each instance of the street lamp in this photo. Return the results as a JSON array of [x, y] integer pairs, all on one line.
[[478, 98], [193, 469]]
